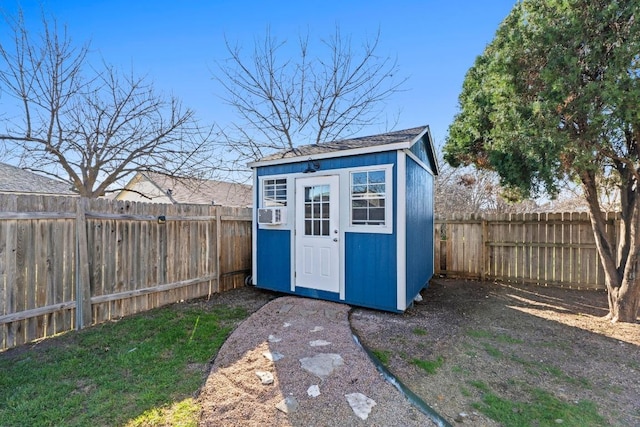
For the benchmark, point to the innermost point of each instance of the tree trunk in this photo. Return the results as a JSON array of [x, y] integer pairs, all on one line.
[[622, 277], [624, 301]]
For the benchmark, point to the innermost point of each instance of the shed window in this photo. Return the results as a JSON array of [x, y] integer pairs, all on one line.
[[368, 198], [274, 192]]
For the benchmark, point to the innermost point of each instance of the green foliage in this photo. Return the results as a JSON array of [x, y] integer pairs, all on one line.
[[554, 95], [114, 372], [542, 409], [383, 356], [429, 366], [420, 331]]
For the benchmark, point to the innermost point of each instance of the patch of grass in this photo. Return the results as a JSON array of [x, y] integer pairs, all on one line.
[[475, 333], [419, 331], [116, 372], [465, 392], [541, 409], [383, 356], [507, 339], [429, 366], [492, 351], [480, 386], [181, 414], [536, 368]]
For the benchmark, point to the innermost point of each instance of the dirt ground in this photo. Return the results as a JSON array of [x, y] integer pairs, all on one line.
[[509, 339], [512, 339]]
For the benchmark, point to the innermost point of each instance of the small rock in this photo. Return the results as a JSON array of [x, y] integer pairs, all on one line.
[[559, 421], [273, 356], [288, 405], [460, 418], [313, 391], [319, 343], [273, 338], [360, 404], [286, 324], [317, 329], [265, 377], [418, 298]]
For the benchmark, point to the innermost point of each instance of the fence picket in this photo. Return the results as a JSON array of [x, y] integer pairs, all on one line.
[[542, 248], [129, 262]]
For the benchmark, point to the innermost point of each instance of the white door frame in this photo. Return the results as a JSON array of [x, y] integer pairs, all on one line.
[[317, 245]]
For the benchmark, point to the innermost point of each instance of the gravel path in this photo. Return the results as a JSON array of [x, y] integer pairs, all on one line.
[[299, 328]]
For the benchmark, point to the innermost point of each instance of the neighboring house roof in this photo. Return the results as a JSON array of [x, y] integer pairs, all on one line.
[[159, 188], [396, 140], [14, 180]]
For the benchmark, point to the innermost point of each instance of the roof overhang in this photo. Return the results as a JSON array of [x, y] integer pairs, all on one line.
[[349, 152]]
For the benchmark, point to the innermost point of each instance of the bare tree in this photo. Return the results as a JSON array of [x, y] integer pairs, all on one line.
[[285, 101], [92, 127]]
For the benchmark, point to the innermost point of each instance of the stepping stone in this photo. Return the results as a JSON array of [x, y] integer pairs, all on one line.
[[288, 405], [273, 338], [313, 391], [322, 364], [273, 356], [360, 404], [285, 308], [265, 377], [319, 343], [317, 329]]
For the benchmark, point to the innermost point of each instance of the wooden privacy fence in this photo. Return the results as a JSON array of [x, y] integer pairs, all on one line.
[[542, 248], [66, 262]]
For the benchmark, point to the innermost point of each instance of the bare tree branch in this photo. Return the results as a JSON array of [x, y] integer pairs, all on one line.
[[91, 127], [284, 101]]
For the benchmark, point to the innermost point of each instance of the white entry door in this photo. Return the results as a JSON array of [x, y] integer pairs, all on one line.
[[317, 234]]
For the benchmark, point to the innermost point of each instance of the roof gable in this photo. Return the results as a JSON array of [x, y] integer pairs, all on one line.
[[390, 141]]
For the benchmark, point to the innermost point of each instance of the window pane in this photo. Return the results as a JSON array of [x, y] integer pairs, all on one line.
[[376, 177], [325, 227], [325, 210], [376, 214], [316, 227], [376, 189], [358, 178], [359, 214], [359, 189], [307, 227]]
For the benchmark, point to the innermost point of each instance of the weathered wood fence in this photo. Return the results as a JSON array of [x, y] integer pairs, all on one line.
[[543, 248], [66, 263]]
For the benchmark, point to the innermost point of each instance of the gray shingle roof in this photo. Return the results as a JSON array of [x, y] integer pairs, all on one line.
[[194, 191], [400, 136], [19, 181]]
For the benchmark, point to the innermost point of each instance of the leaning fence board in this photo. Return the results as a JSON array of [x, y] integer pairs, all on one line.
[[135, 257], [542, 248]]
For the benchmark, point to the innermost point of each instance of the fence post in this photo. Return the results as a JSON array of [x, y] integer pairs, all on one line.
[[83, 291], [485, 251]]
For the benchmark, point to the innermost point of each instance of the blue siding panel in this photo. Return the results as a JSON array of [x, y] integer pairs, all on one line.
[[274, 260], [419, 217], [333, 163], [370, 270]]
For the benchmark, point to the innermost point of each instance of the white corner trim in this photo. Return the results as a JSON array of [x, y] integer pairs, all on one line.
[[419, 162], [254, 231], [401, 237]]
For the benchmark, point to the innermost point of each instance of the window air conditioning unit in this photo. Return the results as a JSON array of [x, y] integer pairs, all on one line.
[[272, 216]]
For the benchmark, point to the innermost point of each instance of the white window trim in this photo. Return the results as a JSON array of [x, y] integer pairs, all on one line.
[[387, 228], [288, 225]]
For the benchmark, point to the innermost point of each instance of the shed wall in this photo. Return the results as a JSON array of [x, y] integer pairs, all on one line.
[[419, 222]]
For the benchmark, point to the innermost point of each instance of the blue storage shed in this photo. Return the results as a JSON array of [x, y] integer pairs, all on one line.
[[348, 221]]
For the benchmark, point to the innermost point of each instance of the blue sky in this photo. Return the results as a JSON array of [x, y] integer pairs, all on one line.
[[177, 43]]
